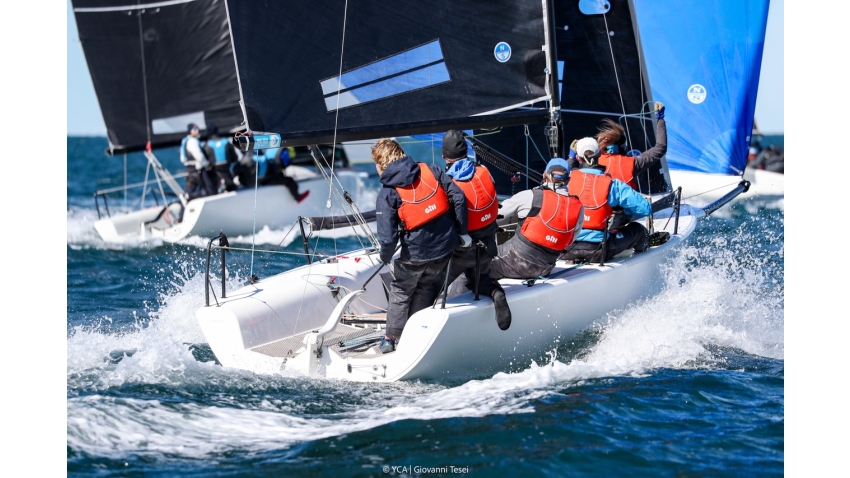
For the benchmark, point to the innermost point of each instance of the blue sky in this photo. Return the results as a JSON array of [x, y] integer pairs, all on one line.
[[84, 116]]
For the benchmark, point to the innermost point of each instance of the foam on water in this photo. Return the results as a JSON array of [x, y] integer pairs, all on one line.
[[714, 297]]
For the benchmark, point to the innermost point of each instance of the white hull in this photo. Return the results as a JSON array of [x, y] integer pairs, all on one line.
[[266, 328], [703, 188], [236, 213]]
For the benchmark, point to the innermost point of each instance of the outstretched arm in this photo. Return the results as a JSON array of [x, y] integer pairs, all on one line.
[[653, 155]]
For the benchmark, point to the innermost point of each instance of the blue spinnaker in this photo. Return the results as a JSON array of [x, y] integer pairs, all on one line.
[[703, 58]]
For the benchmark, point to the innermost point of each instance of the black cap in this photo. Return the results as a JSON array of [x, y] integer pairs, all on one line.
[[191, 127], [454, 146]]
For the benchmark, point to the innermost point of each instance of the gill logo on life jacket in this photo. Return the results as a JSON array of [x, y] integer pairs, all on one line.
[[486, 217], [551, 238], [586, 217], [430, 209]]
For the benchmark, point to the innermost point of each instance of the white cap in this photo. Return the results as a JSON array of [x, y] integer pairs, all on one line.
[[587, 144]]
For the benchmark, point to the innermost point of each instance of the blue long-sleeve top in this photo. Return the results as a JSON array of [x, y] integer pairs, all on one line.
[[620, 194]]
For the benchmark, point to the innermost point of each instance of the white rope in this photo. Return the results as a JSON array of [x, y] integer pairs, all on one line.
[[336, 125]]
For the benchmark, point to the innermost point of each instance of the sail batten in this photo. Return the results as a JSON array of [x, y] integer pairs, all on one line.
[[401, 68]]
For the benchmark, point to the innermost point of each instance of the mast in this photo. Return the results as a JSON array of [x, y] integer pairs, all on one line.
[[553, 129]]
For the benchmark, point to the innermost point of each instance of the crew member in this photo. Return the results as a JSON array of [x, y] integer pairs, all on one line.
[[198, 183], [600, 194], [421, 206], [482, 209], [619, 163], [548, 220], [224, 154]]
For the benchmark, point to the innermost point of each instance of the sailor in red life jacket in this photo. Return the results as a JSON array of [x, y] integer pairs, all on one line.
[[421, 206], [614, 158], [600, 193], [482, 208], [548, 220]]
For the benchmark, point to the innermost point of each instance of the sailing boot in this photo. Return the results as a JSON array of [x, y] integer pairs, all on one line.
[[503, 312], [387, 345]]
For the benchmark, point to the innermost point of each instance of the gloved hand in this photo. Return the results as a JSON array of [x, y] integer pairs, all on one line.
[[465, 241], [573, 149], [386, 258], [659, 110]]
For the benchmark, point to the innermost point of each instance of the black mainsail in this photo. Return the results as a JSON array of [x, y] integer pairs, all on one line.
[[602, 75], [157, 66], [331, 70]]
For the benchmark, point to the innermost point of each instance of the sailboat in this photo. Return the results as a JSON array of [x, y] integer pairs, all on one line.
[[156, 68], [703, 59], [475, 66]]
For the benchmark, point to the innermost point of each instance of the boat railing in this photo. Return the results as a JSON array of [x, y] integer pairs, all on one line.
[[161, 174], [224, 245]]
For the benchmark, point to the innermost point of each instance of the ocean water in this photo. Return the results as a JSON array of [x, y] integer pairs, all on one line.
[[688, 383]]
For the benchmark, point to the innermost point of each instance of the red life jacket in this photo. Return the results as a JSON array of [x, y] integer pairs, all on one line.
[[620, 167], [422, 201], [553, 220], [592, 190], [481, 200]]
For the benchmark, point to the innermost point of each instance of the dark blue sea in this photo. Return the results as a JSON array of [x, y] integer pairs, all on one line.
[[688, 383]]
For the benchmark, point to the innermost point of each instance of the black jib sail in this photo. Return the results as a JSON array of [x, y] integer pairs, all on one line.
[[158, 66], [602, 75], [330, 69]]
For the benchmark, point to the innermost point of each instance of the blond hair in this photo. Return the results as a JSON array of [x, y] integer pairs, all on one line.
[[611, 133], [386, 151]]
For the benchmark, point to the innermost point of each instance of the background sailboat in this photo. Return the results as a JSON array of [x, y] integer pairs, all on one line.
[[703, 59], [157, 67]]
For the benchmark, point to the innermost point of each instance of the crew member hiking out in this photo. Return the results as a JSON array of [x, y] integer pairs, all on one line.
[[482, 209], [421, 207], [547, 219]]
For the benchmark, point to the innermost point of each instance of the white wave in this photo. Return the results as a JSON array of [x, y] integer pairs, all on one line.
[[718, 295]]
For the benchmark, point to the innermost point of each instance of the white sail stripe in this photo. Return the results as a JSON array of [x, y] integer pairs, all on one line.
[[506, 108], [591, 112], [131, 7]]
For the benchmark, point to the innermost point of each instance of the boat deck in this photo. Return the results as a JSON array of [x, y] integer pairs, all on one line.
[[342, 340]]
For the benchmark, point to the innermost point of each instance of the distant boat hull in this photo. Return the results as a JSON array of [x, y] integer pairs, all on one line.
[[703, 188], [235, 213], [270, 326]]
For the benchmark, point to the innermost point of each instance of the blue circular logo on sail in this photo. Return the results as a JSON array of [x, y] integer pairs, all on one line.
[[696, 94], [502, 52]]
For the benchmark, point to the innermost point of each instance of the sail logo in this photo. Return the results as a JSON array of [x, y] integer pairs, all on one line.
[[430, 209], [551, 238], [502, 52], [696, 94], [411, 70]]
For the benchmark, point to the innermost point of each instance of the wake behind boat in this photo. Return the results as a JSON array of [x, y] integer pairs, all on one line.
[[324, 319]]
